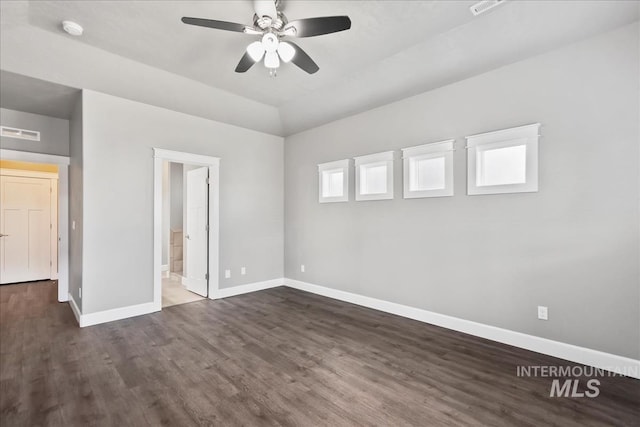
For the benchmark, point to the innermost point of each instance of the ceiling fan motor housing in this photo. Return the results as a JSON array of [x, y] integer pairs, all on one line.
[[264, 22]]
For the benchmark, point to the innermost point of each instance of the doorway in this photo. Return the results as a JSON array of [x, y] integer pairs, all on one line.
[[38, 232], [185, 227], [184, 233], [28, 222]]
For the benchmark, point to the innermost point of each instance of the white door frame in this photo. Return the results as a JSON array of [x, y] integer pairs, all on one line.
[[213, 163], [63, 209]]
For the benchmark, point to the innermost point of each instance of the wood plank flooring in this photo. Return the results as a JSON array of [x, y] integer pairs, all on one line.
[[276, 357]]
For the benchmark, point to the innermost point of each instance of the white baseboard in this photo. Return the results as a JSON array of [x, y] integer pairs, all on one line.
[[245, 289], [585, 356], [74, 308], [165, 271], [146, 308], [110, 315], [572, 353]]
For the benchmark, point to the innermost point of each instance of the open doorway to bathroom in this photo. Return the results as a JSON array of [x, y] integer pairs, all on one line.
[[184, 235], [200, 227]]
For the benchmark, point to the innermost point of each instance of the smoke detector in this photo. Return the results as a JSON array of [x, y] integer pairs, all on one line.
[[72, 28], [484, 6]]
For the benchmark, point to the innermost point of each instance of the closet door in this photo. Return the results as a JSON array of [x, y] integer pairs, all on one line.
[[25, 229]]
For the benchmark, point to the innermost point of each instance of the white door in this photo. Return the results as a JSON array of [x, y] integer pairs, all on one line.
[[25, 226], [196, 236]]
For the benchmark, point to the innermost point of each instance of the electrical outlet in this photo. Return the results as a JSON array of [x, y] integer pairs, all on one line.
[[227, 274], [302, 268], [543, 312], [243, 271]]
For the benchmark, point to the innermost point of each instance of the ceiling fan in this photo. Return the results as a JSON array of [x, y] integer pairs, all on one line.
[[272, 26]]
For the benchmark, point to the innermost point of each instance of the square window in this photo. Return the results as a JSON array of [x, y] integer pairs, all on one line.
[[333, 181], [502, 166], [504, 161], [426, 174], [428, 170], [374, 176]]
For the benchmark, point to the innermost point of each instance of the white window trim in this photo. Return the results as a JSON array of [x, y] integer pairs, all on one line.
[[386, 157], [429, 151], [528, 134], [332, 166]]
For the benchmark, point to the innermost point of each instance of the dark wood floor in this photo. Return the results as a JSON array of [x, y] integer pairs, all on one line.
[[276, 357]]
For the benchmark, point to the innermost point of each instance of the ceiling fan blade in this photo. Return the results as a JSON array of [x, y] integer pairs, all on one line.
[[302, 60], [265, 8], [318, 26], [245, 63], [219, 25]]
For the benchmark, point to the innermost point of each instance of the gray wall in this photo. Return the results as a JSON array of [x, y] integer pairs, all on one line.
[[75, 203], [177, 202], [118, 197], [573, 246], [54, 133]]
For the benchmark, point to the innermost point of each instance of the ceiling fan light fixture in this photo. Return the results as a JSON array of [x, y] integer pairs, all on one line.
[[270, 42], [286, 51], [271, 60], [255, 51]]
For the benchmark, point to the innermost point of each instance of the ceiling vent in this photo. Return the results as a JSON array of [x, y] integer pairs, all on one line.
[[485, 5], [8, 132]]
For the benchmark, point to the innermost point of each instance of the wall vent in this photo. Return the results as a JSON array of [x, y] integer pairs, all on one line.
[[8, 132], [485, 5]]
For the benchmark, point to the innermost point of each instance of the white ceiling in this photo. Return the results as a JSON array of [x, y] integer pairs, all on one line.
[[151, 32], [394, 49]]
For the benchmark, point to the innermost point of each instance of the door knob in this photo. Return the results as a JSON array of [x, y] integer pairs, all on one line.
[[4, 235], [187, 237]]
